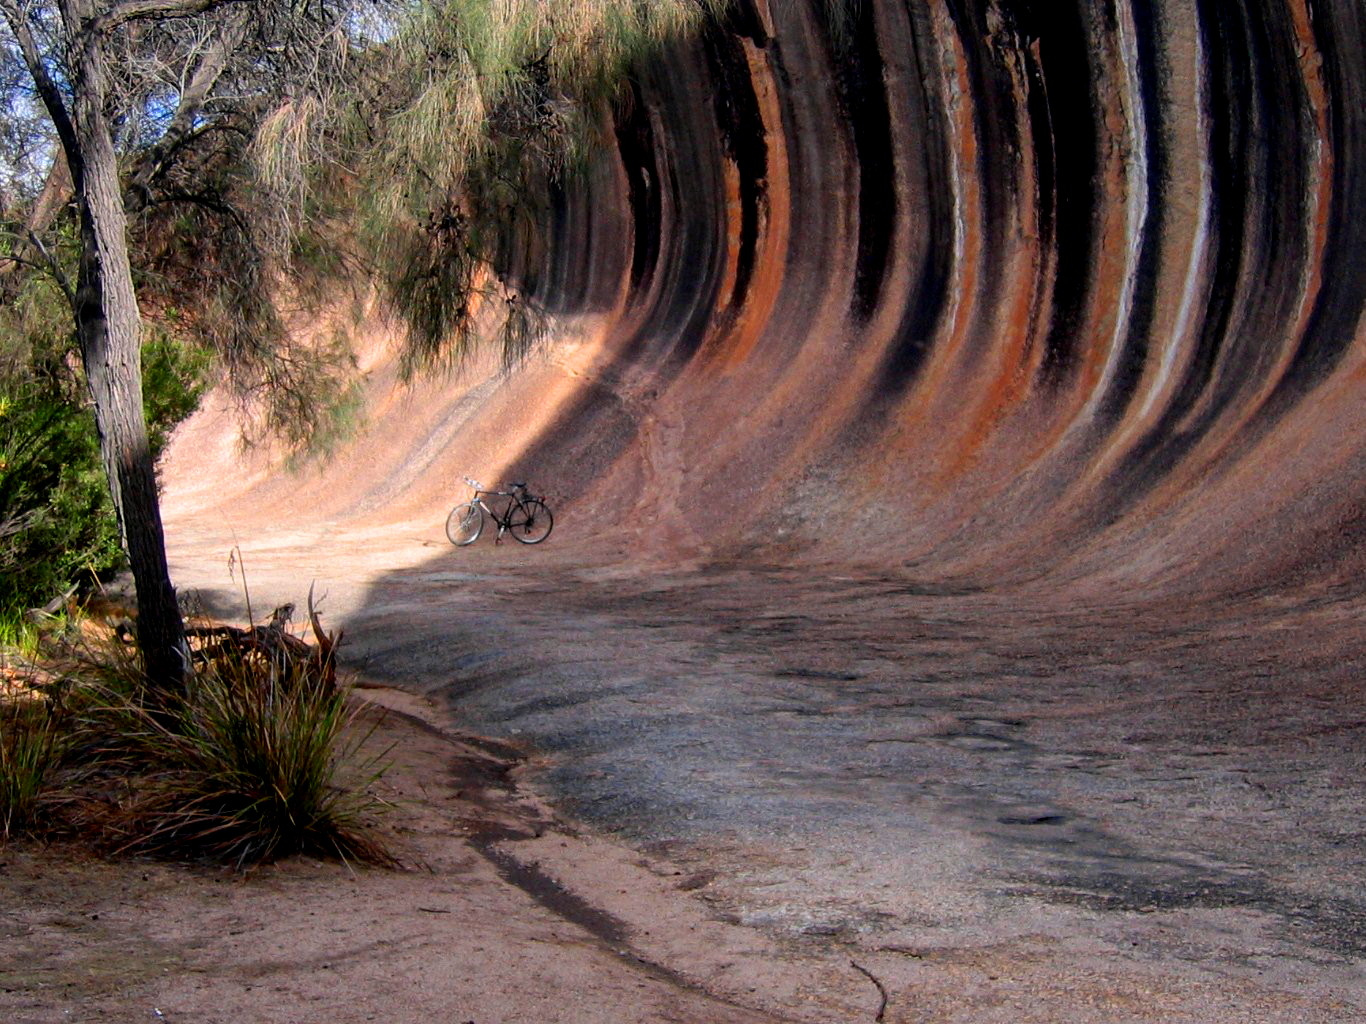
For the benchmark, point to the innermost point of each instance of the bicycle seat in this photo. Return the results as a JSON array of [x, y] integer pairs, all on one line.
[[516, 485]]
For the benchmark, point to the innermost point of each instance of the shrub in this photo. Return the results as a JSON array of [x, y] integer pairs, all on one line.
[[31, 744], [246, 770], [260, 758], [57, 522]]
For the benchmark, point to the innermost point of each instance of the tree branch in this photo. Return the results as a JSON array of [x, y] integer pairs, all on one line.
[[48, 265], [192, 99], [135, 10], [23, 261], [56, 194], [209, 202], [42, 81], [54, 268]]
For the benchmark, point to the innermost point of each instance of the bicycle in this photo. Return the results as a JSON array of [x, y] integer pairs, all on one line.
[[526, 517]]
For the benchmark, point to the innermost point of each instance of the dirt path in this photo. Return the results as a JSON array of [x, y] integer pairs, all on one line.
[[483, 924], [1000, 806]]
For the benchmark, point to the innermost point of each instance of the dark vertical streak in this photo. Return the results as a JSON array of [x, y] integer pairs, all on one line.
[[636, 144], [1064, 57], [743, 138], [1230, 79], [1259, 180], [862, 97], [743, 19], [930, 294], [988, 58], [1226, 45], [692, 252], [1151, 74], [989, 55], [1045, 180], [1340, 31]]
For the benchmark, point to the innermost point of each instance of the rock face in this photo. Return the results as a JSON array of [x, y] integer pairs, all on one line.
[[957, 449], [1008, 288], [992, 290]]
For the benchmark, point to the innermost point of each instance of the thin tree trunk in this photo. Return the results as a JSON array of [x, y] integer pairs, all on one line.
[[108, 326]]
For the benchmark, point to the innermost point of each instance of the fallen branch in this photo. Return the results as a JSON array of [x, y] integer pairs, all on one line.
[[272, 642], [882, 991]]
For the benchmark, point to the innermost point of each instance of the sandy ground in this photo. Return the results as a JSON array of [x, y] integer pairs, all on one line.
[[479, 925], [729, 793]]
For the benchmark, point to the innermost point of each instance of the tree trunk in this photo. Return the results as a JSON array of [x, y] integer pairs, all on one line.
[[108, 326]]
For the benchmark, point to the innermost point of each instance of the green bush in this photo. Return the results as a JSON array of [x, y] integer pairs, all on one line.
[[57, 522], [56, 519]]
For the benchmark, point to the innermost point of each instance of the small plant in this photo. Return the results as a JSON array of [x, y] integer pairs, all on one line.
[[255, 762], [31, 745]]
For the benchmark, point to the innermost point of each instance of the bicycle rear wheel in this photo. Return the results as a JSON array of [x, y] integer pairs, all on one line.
[[465, 523], [530, 521]]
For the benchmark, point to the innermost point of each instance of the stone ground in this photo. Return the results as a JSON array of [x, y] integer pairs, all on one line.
[[735, 789]]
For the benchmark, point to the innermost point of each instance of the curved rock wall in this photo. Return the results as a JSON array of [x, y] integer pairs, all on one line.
[[989, 289], [994, 286]]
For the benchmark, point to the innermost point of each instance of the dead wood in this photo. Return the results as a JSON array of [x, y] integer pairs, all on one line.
[[272, 643], [881, 989]]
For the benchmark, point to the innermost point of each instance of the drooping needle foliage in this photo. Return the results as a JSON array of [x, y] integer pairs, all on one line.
[[462, 123]]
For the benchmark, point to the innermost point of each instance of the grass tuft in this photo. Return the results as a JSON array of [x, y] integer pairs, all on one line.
[[18, 636], [251, 765], [31, 745], [261, 757]]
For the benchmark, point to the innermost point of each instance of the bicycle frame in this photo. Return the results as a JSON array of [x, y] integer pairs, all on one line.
[[515, 501]]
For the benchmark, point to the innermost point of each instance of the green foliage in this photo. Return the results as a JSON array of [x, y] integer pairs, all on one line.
[[56, 519], [173, 381], [336, 420], [207, 276], [461, 124]]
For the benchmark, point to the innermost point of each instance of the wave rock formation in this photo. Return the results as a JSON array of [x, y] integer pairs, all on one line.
[[990, 289]]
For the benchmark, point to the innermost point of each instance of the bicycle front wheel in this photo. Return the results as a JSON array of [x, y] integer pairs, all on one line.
[[465, 523], [530, 521]]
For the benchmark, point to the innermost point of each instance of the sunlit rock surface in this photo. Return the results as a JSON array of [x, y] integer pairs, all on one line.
[[1002, 291]]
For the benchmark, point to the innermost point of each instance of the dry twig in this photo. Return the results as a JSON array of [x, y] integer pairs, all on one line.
[[882, 991]]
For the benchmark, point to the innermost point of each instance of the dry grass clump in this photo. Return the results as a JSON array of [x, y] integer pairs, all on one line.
[[32, 743], [259, 758]]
